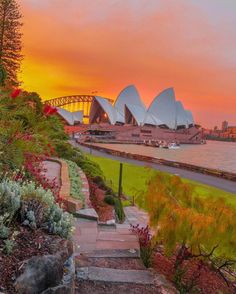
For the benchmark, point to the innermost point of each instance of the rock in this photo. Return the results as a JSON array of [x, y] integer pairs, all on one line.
[[69, 272], [41, 272], [62, 289], [67, 249]]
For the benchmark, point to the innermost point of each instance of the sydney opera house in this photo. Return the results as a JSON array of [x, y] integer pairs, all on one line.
[[128, 108], [128, 117]]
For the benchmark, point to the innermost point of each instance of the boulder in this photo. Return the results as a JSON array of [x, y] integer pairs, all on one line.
[[41, 273]]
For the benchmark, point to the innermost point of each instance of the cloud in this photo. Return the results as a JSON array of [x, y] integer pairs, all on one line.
[[105, 45]]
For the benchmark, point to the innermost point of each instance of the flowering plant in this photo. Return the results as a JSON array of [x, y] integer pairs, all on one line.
[[49, 110], [15, 93]]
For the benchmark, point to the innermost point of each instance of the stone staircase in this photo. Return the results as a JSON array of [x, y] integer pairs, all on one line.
[[107, 260]]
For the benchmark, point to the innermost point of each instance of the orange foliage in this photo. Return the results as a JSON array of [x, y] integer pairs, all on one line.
[[178, 216]]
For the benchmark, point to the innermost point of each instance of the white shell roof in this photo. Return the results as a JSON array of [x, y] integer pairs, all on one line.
[[189, 117], [131, 98], [182, 118], [137, 113], [163, 107], [70, 117], [151, 119], [78, 116], [164, 110], [107, 108]]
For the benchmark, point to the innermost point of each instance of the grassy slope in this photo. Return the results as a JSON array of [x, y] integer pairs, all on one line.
[[135, 178]]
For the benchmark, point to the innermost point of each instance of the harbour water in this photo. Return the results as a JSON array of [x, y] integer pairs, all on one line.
[[214, 154]]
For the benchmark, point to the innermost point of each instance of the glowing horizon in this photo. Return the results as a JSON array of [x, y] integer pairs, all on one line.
[[78, 47]]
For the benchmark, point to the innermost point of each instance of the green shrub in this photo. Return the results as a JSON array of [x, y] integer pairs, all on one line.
[[109, 199], [40, 210], [90, 168], [8, 247], [32, 212], [59, 222], [119, 209], [35, 207], [4, 231], [9, 201], [30, 191], [75, 182], [65, 150]]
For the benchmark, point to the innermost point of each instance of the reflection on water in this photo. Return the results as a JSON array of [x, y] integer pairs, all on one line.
[[219, 155]]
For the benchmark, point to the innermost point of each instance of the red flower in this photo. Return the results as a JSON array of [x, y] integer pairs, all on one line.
[[49, 110], [15, 93]]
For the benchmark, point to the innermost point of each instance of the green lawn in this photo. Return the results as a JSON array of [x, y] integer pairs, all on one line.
[[135, 178]]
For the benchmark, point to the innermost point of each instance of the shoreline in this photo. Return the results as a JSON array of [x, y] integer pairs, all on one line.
[[176, 164], [213, 181]]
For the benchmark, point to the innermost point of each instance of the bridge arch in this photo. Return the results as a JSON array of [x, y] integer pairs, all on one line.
[[80, 102]]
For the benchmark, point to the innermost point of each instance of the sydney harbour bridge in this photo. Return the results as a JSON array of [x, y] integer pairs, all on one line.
[[74, 103]]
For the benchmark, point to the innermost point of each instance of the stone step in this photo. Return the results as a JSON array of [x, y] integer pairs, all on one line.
[[113, 253], [87, 213], [99, 274]]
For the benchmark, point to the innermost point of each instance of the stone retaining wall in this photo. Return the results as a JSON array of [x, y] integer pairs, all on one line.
[[208, 171], [70, 204], [85, 188]]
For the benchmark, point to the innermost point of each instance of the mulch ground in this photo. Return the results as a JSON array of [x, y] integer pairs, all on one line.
[[27, 243], [91, 287], [105, 211], [115, 263], [207, 281]]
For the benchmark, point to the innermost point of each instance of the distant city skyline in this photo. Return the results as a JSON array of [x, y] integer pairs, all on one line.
[[80, 47]]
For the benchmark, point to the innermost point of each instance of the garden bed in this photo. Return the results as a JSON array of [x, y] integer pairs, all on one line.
[[75, 182], [105, 211], [207, 281], [27, 243]]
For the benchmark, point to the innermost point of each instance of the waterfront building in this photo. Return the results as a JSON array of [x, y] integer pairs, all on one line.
[[128, 109], [224, 126]]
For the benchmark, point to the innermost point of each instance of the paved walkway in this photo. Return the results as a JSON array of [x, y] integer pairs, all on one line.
[[96, 240], [219, 183], [108, 259], [105, 241], [136, 216], [53, 170]]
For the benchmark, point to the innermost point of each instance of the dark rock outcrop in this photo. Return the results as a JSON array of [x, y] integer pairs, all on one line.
[[41, 273]]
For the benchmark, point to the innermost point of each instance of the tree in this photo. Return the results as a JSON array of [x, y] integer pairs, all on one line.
[[10, 39], [191, 227], [24, 129]]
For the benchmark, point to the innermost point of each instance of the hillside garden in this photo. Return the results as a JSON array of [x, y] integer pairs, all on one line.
[[192, 233], [32, 218]]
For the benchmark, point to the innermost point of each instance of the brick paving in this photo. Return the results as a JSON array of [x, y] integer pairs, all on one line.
[[92, 238], [53, 171], [135, 216]]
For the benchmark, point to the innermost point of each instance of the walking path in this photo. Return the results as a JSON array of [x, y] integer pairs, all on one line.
[[219, 183], [52, 170], [108, 258]]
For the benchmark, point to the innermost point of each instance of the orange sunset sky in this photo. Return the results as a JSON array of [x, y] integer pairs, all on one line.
[[81, 46]]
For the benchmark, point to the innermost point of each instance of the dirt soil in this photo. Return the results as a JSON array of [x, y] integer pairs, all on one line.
[[105, 211], [116, 263], [27, 243], [90, 287]]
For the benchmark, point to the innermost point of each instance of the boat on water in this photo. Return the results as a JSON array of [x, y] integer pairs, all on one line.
[[172, 145], [162, 144]]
